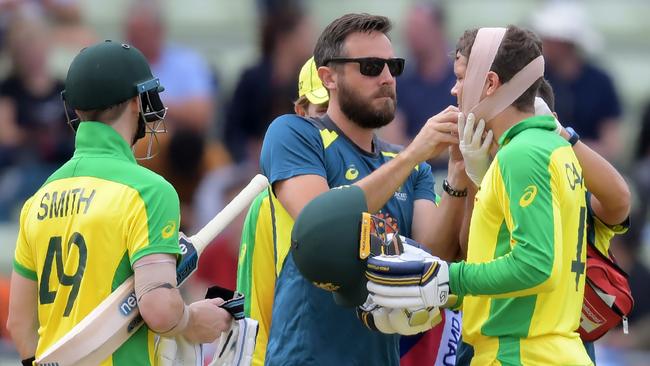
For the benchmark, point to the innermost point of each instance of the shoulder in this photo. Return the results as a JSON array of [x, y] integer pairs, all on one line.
[[148, 181], [290, 124]]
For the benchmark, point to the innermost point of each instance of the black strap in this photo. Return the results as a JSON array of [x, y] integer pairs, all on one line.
[[28, 361], [234, 301]]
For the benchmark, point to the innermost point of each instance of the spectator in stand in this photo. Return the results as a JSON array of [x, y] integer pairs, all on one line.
[[184, 153], [585, 94], [267, 89], [423, 90], [34, 136]]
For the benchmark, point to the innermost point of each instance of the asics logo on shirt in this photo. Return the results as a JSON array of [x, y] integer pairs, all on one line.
[[352, 173], [529, 195], [168, 230]]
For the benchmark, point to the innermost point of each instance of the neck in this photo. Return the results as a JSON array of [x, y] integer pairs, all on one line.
[[362, 137], [125, 127], [506, 119], [38, 83]]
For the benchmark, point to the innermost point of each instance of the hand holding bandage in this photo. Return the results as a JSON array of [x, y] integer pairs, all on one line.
[[413, 280], [475, 153]]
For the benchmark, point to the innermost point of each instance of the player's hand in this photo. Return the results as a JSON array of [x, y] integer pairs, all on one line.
[[542, 109], [400, 321], [413, 280], [435, 136], [207, 321], [475, 153]]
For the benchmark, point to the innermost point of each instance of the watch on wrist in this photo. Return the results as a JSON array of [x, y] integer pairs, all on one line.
[[573, 136], [453, 192]]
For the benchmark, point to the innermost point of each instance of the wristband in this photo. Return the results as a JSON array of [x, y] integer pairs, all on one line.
[[452, 192], [28, 361], [573, 136]]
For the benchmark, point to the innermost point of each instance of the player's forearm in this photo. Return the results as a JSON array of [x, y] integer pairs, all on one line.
[[515, 274], [605, 184], [25, 338], [380, 186]]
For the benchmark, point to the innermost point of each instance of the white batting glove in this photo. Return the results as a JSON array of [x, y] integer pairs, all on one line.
[[400, 321], [542, 109], [475, 154], [413, 280]]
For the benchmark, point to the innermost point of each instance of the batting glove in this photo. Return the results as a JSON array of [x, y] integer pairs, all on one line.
[[413, 280], [542, 109], [400, 321], [475, 153]]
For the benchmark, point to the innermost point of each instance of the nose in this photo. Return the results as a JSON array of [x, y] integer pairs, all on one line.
[[454, 89]]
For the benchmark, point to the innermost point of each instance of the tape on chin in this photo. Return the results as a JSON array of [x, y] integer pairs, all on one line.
[[480, 61]]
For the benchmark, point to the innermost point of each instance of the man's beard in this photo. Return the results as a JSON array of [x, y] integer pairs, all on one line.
[[362, 112]]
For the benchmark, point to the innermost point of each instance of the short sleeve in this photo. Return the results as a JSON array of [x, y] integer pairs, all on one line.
[[292, 147], [154, 227], [424, 183], [24, 263]]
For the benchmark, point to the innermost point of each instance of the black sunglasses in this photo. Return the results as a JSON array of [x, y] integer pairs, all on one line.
[[373, 66]]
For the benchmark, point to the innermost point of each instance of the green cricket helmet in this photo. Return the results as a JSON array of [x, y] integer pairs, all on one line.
[[332, 238], [109, 73]]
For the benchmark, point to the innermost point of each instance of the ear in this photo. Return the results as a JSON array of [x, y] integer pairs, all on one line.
[[134, 105], [299, 110], [328, 77], [492, 83]]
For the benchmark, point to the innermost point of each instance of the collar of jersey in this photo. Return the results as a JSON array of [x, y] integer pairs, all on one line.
[[543, 122], [100, 139], [330, 124]]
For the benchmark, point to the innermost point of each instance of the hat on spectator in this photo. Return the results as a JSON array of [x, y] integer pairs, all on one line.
[[310, 85], [567, 22]]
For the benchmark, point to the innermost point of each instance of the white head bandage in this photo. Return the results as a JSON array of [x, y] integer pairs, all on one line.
[[480, 61]]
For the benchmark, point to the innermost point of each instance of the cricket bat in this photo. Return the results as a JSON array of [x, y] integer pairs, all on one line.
[[117, 318]]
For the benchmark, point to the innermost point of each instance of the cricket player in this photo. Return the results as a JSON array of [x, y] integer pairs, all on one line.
[[523, 280], [608, 195], [101, 218], [304, 158], [259, 262]]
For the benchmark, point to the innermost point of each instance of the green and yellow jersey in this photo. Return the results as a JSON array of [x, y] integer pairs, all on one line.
[[81, 232], [260, 262], [600, 234], [524, 277]]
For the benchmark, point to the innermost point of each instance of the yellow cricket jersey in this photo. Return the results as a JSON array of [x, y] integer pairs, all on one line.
[[81, 232], [261, 256], [524, 277], [599, 233]]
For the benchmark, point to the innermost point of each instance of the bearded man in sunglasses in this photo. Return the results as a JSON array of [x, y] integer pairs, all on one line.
[[305, 157]]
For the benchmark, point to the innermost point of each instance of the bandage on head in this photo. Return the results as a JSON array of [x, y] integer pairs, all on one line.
[[484, 50]]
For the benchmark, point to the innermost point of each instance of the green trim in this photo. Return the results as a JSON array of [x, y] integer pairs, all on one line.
[[246, 251], [135, 351], [24, 271], [122, 272], [518, 311], [509, 352], [543, 122]]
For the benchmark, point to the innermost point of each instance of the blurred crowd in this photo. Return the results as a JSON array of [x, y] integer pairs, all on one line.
[[213, 139]]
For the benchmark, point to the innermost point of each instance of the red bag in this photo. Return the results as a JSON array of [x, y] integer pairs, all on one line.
[[606, 282]]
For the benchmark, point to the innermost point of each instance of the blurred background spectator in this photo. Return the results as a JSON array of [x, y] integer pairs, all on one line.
[[34, 136], [423, 90], [229, 68], [585, 95], [268, 88], [190, 96]]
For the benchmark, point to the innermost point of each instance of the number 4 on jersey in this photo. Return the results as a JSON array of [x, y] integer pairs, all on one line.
[[55, 252]]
